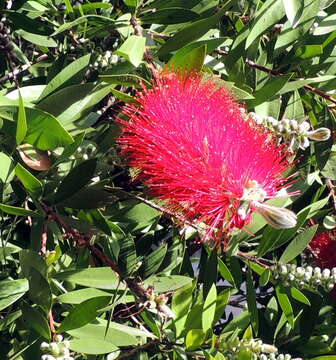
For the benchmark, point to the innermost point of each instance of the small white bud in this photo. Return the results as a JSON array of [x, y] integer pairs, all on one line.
[[331, 286], [283, 269], [54, 348], [269, 349], [58, 338], [287, 357], [309, 269], [325, 274], [321, 134], [44, 346], [304, 127], [279, 218], [291, 277], [281, 357]]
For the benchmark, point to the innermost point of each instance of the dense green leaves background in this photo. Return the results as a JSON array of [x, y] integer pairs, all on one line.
[[83, 251]]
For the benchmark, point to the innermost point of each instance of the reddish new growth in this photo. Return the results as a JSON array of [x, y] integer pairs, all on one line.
[[323, 249], [194, 149]]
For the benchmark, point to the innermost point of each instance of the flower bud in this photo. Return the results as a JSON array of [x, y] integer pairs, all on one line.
[[325, 274], [287, 357], [279, 218], [44, 346], [268, 349], [58, 338], [321, 134]]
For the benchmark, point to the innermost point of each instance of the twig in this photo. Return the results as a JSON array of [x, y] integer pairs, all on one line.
[[252, 64], [137, 349], [332, 192], [15, 72]]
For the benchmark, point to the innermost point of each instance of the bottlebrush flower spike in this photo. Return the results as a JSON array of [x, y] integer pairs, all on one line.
[[193, 148], [323, 248]]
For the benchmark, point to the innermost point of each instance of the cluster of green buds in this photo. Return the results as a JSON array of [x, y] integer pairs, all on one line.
[[105, 60], [56, 350], [304, 277], [254, 348], [295, 134]]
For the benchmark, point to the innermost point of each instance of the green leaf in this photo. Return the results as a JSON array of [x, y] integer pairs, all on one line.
[[299, 296], [29, 181], [297, 84], [114, 334], [194, 339], [35, 320], [191, 61], [252, 303], [13, 210], [225, 272], [172, 15], [127, 259], [329, 170], [167, 283], [289, 35], [265, 277], [209, 308], [181, 302], [124, 97], [84, 19], [327, 25], [101, 278], [191, 32], [39, 289], [293, 10], [269, 14], [271, 88], [21, 128], [309, 51], [78, 296], [77, 178], [67, 76], [6, 168], [133, 49], [325, 357], [153, 261], [11, 291], [83, 313], [285, 305], [126, 80], [92, 346], [39, 40], [44, 131], [73, 102], [299, 243]]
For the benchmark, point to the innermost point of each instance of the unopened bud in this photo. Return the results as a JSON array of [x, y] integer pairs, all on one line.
[[279, 218], [321, 134], [268, 349]]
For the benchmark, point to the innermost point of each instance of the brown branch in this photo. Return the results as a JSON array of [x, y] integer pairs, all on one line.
[[332, 192], [137, 349], [310, 88], [15, 72]]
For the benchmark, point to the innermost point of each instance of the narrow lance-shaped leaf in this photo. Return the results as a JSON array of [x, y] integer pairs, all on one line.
[[21, 128]]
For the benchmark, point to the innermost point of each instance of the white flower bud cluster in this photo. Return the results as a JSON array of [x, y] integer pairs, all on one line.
[[105, 60], [56, 350], [86, 151], [296, 135], [256, 348], [304, 277]]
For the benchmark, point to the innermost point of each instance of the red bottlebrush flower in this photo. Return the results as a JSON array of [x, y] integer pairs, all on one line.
[[195, 149], [323, 249]]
